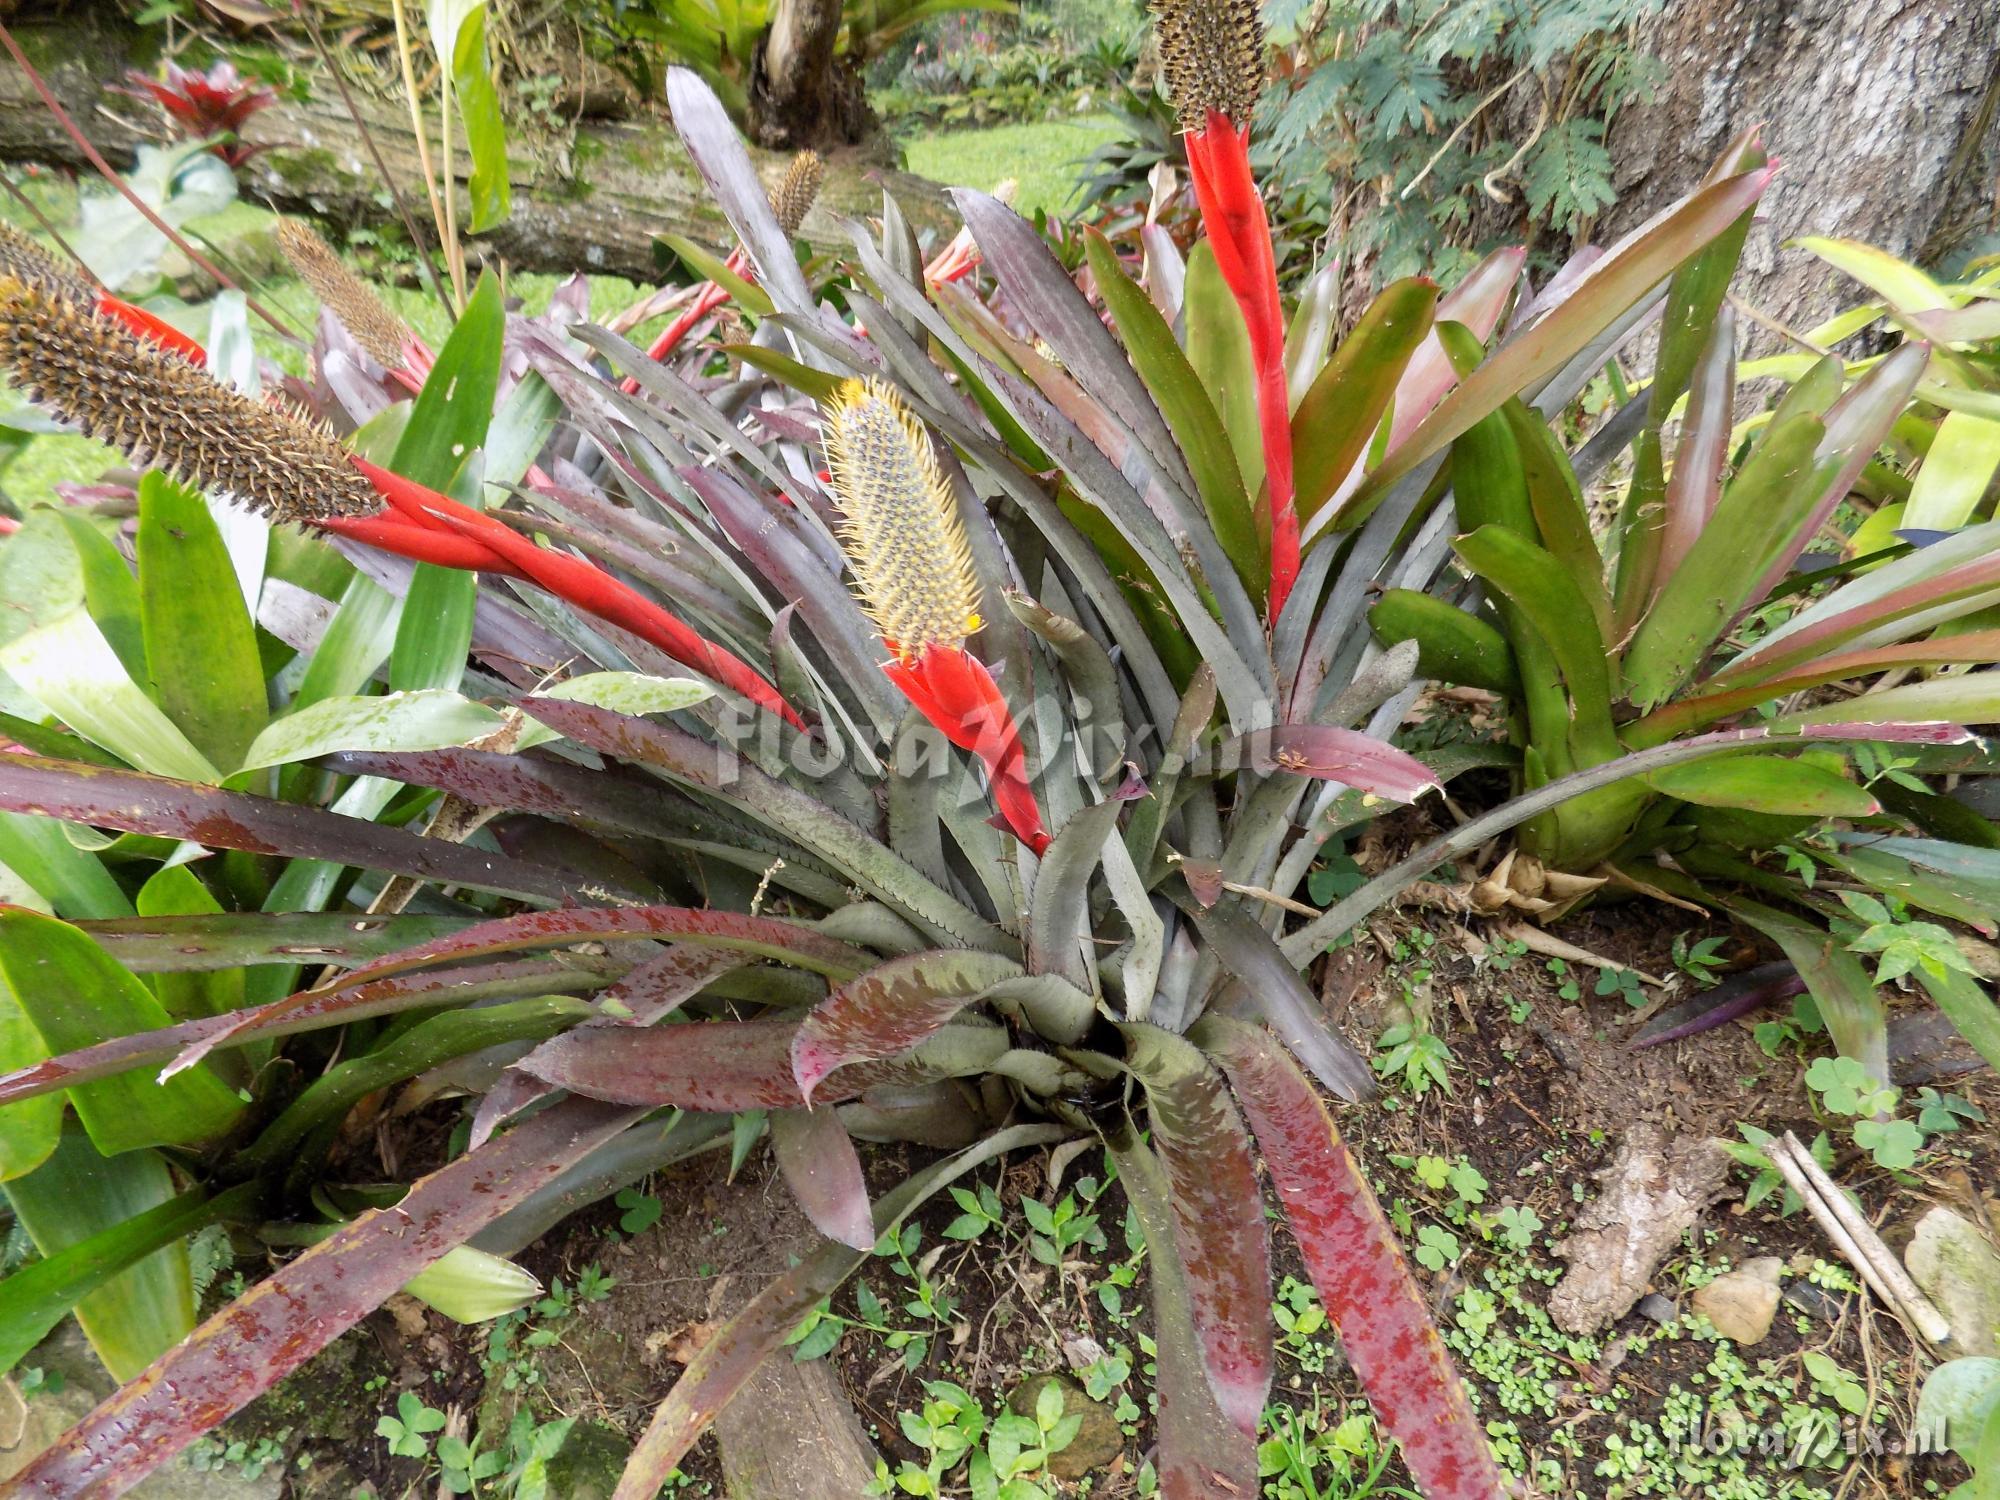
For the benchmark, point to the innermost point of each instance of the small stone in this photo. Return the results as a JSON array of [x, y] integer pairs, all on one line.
[[1742, 1303], [1097, 1442], [1950, 1259], [1812, 1301], [1659, 1309]]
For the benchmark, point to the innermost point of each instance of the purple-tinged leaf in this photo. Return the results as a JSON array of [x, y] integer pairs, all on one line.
[[732, 1065], [133, 802], [732, 1353], [1353, 1258], [890, 1009], [1270, 990], [284, 1320], [824, 1174], [1059, 912], [1736, 997], [763, 937], [648, 994], [1344, 755], [1202, 1454], [1703, 453], [322, 1009], [206, 941], [1611, 288], [1218, 1216]]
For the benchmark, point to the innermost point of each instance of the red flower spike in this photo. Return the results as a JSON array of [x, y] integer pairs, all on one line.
[[1239, 232], [951, 688], [580, 583], [152, 327], [418, 543]]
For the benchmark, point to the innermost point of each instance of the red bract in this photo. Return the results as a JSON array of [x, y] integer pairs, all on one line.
[[952, 688], [1239, 232], [214, 103], [153, 327]]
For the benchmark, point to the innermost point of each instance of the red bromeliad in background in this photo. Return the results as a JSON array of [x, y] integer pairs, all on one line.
[[1213, 54]]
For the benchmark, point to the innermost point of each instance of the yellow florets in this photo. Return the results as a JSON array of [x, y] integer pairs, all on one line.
[[902, 534]]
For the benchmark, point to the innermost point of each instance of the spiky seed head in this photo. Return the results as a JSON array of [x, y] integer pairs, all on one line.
[[347, 296], [901, 531], [26, 261], [1213, 54], [793, 197], [163, 413]]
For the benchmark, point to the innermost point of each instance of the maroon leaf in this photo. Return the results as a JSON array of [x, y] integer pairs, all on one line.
[[1218, 1214], [384, 997], [1344, 755], [1202, 1454], [1353, 1258], [136, 803], [733, 1352], [649, 993], [766, 937], [824, 1174], [890, 1009], [284, 1320], [732, 1065]]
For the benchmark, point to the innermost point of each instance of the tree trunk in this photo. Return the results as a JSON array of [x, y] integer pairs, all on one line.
[[801, 94], [1884, 115], [594, 201]]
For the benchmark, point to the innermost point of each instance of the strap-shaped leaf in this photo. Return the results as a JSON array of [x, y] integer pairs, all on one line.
[[1347, 400], [1766, 783], [1218, 1216], [1353, 1258], [890, 1009], [824, 1173]]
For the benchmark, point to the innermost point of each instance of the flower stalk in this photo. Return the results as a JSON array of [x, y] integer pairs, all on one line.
[[913, 569], [1213, 54]]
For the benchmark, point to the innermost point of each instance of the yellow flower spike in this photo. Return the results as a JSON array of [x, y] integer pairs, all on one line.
[[902, 531]]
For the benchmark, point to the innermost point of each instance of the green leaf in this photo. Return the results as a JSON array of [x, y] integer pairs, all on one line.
[[1968, 1006], [76, 884], [438, 448], [1897, 282], [1840, 986], [1538, 585], [1218, 347], [472, 1286], [75, 995], [29, 1128], [110, 592], [201, 649], [1766, 783], [746, 294], [37, 1297], [485, 130], [1349, 397], [818, 385], [72, 671], [175, 891], [1189, 414], [355, 644], [1767, 502], [623, 692], [143, 1310], [1962, 461], [1452, 645], [428, 719]]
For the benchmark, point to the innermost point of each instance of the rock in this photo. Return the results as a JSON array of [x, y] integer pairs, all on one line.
[[1653, 1191], [1741, 1303], [1659, 1309], [1958, 1270], [1097, 1442]]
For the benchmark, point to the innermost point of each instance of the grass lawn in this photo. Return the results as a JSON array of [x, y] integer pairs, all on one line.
[[1042, 157]]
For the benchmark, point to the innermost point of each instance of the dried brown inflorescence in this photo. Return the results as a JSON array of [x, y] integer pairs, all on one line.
[[1213, 54], [163, 413], [793, 197], [26, 261], [347, 296]]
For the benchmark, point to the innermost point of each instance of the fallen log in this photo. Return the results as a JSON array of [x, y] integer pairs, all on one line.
[[593, 198]]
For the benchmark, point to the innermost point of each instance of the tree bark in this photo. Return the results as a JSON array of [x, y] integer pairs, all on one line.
[[801, 94], [1884, 115], [594, 201]]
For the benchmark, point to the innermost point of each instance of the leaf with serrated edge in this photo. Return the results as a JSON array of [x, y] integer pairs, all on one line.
[[890, 1009]]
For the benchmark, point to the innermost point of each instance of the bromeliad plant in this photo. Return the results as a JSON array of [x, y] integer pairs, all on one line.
[[1698, 619], [995, 853]]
